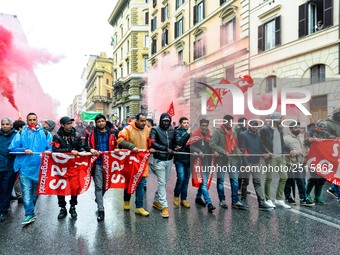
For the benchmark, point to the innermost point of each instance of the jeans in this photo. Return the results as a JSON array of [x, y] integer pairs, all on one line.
[[203, 189], [139, 193], [336, 189], [162, 170], [183, 176], [99, 191], [29, 194], [7, 179]]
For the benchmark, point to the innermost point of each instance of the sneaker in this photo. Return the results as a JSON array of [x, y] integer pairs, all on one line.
[[200, 201], [245, 203], [142, 211], [2, 217], [62, 214], [223, 204], [100, 216], [176, 201], [185, 203], [281, 203], [239, 205], [270, 203], [157, 205], [306, 202], [165, 212], [290, 201], [319, 201], [333, 193], [73, 212], [211, 207], [126, 205], [28, 220], [265, 207]]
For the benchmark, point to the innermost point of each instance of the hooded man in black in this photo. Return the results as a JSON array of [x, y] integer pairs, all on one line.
[[163, 141]]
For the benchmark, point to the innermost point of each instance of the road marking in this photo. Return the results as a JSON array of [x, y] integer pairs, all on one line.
[[317, 216]]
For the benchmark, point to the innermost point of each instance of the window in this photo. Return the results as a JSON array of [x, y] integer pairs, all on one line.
[[154, 3], [313, 12], [318, 74], [270, 83], [127, 24], [127, 111], [107, 81], [199, 12], [146, 18], [180, 56], [165, 13], [165, 37], [179, 3], [115, 74], [153, 24], [121, 31], [179, 28], [199, 48], [121, 53], [121, 72], [154, 46], [128, 45], [146, 64], [227, 32], [222, 1], [128, 67], [230, 73], [146, 41], [269, 34], [108, 94]]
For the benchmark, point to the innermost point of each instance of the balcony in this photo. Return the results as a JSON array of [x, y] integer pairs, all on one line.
[[101, 99]]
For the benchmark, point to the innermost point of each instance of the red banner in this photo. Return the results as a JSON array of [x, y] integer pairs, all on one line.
[[197, 171], [125, 169], [64, 174], [324, 159]]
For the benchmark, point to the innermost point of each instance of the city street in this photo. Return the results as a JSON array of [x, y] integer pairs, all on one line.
[[314, 230]]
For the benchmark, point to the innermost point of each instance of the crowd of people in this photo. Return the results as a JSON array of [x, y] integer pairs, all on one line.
[[245, 146]]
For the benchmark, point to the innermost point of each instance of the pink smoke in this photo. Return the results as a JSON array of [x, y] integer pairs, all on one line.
[[18, 83]]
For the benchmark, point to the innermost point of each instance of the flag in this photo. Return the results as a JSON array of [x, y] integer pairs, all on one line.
[[64, 174], [323, 159], [197, 171], [78, 118], [112, 40], [171, 110], [124, 170]]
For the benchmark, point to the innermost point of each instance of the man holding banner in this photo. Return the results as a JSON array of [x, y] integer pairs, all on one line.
[[29, 142], [67, 140], [100, 139], [199, 145], [134, 137]]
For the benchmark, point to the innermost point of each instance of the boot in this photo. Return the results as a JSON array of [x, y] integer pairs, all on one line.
[[317, 199], [309, 190], [73, 212], [62, 214]]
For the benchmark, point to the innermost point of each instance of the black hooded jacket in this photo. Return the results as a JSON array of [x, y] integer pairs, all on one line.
[[163, 138]]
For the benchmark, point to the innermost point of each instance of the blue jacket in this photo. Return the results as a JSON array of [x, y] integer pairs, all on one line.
[[6, 159], [34, 140]]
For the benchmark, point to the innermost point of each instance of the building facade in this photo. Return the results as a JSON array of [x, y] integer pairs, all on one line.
[[289, 49], [99, 84], [130, 22]]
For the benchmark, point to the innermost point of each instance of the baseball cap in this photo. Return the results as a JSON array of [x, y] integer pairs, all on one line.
[[65, 119], [336, 110]]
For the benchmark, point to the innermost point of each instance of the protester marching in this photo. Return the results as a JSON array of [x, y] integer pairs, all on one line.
[[64, 163]]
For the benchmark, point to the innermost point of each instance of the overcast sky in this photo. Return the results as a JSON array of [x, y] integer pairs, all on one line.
[[71, 28]]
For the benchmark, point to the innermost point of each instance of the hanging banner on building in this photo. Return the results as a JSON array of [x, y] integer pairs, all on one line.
[[323, 159], [125, 169], [65, 174]]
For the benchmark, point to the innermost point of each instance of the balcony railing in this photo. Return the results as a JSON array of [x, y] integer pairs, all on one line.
[[103, 99]]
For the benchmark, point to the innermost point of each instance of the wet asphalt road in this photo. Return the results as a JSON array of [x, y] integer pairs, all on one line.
[[298, 230]]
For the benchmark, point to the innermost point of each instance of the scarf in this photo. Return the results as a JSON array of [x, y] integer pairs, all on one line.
[[33, 127], [230, 141], [198, 136]]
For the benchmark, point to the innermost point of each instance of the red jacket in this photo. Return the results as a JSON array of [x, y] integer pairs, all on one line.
[[93, 140]]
